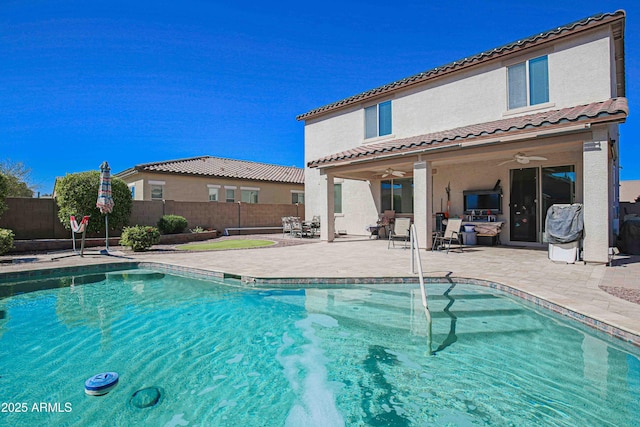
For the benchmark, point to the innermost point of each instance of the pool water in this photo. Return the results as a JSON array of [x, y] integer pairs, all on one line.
[[226, 355]]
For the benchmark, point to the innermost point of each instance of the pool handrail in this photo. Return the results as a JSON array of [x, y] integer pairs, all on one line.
[[415, 253]]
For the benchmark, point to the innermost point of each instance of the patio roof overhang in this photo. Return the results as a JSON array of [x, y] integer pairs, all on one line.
[[556, 130]]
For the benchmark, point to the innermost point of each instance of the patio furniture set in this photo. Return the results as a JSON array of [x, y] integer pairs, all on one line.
[[294, 227]]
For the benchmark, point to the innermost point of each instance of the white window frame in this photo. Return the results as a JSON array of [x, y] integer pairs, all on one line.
[[338, 199], [297, 199], [527, 78], [228, 188], [214, 190], [251, 190], [154, 185], [377, 119]]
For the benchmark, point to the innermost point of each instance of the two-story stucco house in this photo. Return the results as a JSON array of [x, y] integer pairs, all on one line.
[[514, 129], [215, 179]]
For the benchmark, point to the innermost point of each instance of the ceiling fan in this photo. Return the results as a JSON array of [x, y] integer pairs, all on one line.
[[392, 172], [523, 159]]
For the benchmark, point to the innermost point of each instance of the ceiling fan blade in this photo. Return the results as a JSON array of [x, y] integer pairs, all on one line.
[[397, 173], [540, 158], [505, 162], [384, 175]]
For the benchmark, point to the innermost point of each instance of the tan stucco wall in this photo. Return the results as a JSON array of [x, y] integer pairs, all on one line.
[[194, 188], [580, 72], [629, 190]]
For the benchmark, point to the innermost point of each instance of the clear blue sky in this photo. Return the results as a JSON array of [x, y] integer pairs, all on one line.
[[140, 81]]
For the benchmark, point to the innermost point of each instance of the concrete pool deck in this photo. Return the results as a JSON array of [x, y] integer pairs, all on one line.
[[576, 287]]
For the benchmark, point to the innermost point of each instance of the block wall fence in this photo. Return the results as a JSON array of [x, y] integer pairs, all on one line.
[[38, 218]]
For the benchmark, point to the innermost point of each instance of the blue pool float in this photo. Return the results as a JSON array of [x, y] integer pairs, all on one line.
[[101, 384]]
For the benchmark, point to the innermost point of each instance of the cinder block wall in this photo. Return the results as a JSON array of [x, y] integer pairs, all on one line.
[[33, 219], [38, 218]]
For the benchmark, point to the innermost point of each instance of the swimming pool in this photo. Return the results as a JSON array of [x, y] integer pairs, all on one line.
[[222, 354]]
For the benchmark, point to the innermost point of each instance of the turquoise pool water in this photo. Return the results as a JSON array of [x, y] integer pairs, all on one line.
[[225, 355]]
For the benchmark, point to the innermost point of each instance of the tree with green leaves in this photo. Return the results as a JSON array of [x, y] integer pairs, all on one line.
[[77, 193], [18, 177]]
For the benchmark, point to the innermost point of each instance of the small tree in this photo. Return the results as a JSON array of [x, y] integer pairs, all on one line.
[[77, 193], [18, 176]]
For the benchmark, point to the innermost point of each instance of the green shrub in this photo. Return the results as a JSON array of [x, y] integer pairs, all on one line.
[[140, 237], [77, 193], [172, 224], [6, 240]]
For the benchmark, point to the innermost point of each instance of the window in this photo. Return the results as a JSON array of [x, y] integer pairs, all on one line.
[[377, 120], [156, 192], [157, 189], [132, 187], [397, 195], [249, 195], [297, 197], [528, 83], [230, 195], [213, 193], [337, 198]]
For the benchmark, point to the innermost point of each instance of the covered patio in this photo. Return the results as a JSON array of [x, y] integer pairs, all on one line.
[[529, 162]]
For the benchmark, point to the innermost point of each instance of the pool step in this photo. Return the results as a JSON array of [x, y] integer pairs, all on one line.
[[403, 312]]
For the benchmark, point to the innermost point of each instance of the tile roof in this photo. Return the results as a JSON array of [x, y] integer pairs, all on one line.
[[615, 109], [498, 52], [226, 168]]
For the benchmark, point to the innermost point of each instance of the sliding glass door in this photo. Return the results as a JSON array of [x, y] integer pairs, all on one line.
[[556, 185]]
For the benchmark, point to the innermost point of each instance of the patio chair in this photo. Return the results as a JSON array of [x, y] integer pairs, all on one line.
[[400, 230], [79, 229], [451, 235], [385, 222], [313, 227], [286, 225], [296, 227]]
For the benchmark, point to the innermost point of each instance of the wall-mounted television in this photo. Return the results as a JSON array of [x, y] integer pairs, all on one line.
[[482, 201]]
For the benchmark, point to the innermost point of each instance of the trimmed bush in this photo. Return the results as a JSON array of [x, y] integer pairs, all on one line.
[[172, 224], [77, 193], [6, 240], [140, 237]]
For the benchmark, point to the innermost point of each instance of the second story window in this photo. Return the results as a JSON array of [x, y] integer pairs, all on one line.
[[377, 120], [528, 83]]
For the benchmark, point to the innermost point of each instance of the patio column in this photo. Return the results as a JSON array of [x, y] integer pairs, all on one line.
[[327, 221], [595, 177], [421, 204]]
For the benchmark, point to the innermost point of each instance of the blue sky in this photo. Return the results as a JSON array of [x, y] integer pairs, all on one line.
[[140, 81]]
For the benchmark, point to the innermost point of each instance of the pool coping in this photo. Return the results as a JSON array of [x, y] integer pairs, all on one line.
[[259, 282]]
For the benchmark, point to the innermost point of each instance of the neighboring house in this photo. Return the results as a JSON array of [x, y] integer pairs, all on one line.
[[206, 178], [629, 191], [528, 124]]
